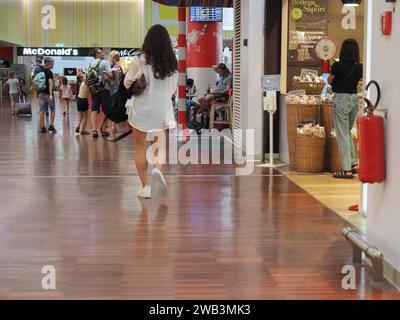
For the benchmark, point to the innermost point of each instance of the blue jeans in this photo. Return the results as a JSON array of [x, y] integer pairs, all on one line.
[[345, 109]]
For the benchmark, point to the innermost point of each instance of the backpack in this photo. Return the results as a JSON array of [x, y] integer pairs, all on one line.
[[39, 81], [93, 80]]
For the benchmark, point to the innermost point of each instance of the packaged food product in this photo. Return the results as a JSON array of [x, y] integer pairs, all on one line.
[[310, 130]]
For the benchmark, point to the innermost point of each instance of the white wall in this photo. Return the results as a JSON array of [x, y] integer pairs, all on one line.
[[383, 221], [252, 65]]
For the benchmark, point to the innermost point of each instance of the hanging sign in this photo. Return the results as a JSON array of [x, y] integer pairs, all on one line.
[[196, 3], [127, 52], [54, 52]]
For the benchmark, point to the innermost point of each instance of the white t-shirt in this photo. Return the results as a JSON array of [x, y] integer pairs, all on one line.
[[14, 85], [103, 66], [152, 110], [83, 91]]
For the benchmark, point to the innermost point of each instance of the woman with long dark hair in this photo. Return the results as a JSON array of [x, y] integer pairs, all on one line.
[[152, 111], [344, 78]]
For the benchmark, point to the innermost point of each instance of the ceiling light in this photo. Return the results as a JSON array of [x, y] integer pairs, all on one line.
[[351, 3]]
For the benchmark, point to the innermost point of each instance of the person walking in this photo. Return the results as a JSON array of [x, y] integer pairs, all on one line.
[[113, 84], [13, 89], [46, 97], [344, 78], [152, 111], [66, 94], [102, 97], [22, 88], [83, 106]]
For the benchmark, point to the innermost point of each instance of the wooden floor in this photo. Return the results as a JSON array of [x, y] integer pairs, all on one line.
[[71, 202], [338, 195]]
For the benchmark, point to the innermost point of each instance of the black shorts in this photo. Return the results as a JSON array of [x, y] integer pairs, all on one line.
[[103, 99], [83, 105]]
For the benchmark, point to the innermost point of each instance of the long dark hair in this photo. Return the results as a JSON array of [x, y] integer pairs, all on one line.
[[350, 51], [159, 53]]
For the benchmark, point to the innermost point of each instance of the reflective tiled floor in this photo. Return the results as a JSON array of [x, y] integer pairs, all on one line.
[[70, 201]]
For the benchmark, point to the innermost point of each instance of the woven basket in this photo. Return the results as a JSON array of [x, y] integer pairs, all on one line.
[[335, 163], [327, 118], [311, 88], [310, 153], [295, 114], [326, 112]]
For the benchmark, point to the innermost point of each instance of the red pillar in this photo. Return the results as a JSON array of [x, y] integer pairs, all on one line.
[[182, 67], [205, 49]]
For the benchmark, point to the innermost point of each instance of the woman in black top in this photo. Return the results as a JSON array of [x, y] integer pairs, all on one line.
[[344, 78]]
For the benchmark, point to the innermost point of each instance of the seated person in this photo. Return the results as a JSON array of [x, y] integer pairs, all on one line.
[[220, 93]]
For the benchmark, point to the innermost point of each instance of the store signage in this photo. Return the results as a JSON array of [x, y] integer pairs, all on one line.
[[308, 24], [55, 52], [127, 52]]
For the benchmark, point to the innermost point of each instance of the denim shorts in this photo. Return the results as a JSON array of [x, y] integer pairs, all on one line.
[[45, 102]]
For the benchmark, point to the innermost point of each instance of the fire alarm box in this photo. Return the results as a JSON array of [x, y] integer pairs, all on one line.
[[386, 23]]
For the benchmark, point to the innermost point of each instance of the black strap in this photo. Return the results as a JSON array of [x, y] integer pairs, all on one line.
[[350, 73], [120, 137], [97, 66]]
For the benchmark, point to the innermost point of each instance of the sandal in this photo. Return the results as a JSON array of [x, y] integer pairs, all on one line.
[[77, 130], [84, 132], [354, 169], [95, 134], [105, 133], [343, 174]]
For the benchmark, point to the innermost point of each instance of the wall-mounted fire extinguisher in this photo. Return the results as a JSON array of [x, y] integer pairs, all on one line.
[[371, 142], [386, 23]]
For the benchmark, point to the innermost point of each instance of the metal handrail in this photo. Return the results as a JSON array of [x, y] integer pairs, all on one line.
[[359, 246]]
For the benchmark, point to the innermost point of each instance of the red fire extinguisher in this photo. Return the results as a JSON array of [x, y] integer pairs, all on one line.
[[371, 142]]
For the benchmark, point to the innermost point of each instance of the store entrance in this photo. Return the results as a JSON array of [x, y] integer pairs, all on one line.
[[308, 142]]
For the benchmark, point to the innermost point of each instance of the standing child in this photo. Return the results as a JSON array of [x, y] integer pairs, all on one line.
[[23, 94], [83, 105], [14, 90], [66, 95]]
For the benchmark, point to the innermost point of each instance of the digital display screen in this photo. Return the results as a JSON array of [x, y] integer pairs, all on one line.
[[203, 14], [70, 71]]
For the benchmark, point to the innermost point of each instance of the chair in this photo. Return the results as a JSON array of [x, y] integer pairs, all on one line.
[[228, 106]]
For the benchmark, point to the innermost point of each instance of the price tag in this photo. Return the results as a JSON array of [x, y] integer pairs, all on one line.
[[309, 72]]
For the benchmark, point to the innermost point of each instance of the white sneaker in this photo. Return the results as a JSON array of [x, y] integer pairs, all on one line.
[[162, 187], [144, 193]]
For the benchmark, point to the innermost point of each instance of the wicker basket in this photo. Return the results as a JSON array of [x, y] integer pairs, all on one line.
[[328, 124], [310, 153], [311, 88], [327, 118], [335, 163], [295, 114]]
